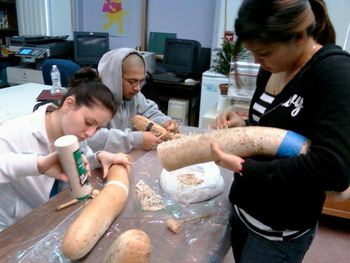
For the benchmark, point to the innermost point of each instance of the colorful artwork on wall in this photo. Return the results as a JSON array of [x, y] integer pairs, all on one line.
[[114, 13]]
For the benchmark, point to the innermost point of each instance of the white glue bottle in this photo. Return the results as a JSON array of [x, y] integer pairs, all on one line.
[[70, 157]]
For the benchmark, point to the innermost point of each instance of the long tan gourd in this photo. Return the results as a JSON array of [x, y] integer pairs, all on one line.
[[141, 123], [132, 246], [242, 141], [97, 216]]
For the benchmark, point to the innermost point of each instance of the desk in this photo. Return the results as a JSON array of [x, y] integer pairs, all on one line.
[[164, 90], [19, 100], [38, 236]]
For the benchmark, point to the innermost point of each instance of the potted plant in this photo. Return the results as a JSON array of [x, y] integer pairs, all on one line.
[[224, 57], [222, 63]]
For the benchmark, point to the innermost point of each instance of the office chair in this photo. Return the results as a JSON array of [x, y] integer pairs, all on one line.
[[67, 69]]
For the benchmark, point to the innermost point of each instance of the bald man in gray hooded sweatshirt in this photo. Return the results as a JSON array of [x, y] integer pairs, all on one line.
[[123, 71]]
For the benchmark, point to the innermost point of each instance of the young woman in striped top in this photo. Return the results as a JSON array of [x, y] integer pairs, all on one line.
[[303, 86]]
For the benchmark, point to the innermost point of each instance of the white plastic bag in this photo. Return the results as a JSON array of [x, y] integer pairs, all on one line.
[[195, 183]]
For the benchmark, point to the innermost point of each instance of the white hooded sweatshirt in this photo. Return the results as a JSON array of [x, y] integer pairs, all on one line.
[[118, 136]]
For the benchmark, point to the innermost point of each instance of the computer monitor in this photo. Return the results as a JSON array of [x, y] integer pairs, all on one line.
[[181, 56], [89, 47]]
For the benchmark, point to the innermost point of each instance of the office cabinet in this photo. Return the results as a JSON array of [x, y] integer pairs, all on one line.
[[210, 92], [20, 75]]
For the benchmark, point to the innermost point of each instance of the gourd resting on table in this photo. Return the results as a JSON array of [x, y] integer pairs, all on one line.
[[242, 141], [132, 246], [96, 217]]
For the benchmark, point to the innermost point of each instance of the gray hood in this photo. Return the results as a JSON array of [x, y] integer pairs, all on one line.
[[119, 135], [110, 70]]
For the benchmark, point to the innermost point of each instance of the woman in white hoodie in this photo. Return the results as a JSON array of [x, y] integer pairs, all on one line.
[[28, 161], [123, 71]]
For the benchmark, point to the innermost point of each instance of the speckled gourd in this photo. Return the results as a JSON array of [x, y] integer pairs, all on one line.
[[242, 141]]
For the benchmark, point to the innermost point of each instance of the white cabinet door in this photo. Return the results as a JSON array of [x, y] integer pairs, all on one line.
[[209, 92]]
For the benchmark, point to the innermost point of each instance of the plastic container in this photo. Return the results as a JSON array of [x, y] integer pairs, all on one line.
[[223, 102], [56, 81], [69, 154], [178, 110]]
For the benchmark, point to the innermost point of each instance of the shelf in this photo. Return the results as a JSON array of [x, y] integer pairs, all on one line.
[[11, 2], [9, 28], [246, 73], [240, 95]]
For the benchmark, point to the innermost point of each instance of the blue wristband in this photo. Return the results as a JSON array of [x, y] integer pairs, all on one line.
[[291, 145]]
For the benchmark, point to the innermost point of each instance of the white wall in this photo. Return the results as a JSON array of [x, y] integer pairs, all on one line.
[[338, 12], [56, 17], [60, 14], [44, 17], [221, 23], [32, 17], [188, 19]]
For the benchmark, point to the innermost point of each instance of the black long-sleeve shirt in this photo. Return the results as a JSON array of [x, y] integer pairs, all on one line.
[[289, 193]]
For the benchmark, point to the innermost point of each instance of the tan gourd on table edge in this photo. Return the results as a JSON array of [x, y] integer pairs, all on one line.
[[96, 217], [132, 246]]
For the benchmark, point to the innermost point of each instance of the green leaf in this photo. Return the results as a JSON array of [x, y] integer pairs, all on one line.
[[224, 57]]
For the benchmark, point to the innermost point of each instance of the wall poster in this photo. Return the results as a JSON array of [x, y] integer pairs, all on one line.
[[115, 17]]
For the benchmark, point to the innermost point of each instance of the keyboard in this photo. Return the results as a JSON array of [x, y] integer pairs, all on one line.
[[168, 77]]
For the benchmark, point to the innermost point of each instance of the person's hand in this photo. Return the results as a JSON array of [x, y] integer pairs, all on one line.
[[86, 164], [150, 140], [50, 166], [226, 160], [227, 119], [171, 126], [107, 159]]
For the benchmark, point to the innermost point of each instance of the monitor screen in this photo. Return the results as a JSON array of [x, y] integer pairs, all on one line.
[[89, 47], [181, 55]]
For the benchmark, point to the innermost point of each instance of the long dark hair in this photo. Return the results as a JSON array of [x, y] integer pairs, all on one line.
[[88, 90], [282, 20]]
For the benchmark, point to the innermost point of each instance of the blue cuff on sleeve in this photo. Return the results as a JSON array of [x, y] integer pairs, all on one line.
[[291, 145]]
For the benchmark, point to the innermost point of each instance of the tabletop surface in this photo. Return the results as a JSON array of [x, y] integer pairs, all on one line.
[[19, 100], [38, 236]]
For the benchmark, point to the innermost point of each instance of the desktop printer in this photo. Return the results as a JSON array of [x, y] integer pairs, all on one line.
[[33, 51]]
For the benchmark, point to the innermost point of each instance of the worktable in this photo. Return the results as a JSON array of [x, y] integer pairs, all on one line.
[[19, 100], [38, 236]]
